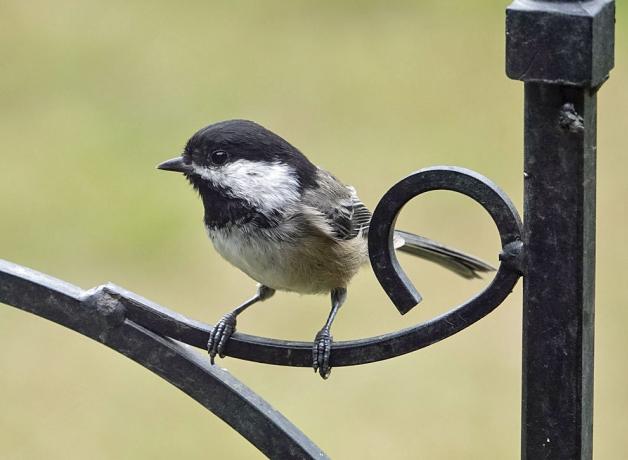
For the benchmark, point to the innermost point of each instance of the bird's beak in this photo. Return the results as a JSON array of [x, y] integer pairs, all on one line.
[[175, 164]]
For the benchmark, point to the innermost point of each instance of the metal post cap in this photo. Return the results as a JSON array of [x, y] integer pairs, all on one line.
[[560, 42]]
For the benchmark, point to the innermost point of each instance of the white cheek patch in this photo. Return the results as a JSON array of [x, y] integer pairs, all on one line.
[[267, 186]]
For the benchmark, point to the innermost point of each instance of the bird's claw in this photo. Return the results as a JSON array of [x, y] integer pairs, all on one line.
[[220, 335], [321, 352]]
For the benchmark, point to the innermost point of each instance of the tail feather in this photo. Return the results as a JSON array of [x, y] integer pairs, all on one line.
[[463, 264]]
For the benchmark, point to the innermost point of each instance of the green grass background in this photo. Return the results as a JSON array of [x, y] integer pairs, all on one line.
[[94, 94]]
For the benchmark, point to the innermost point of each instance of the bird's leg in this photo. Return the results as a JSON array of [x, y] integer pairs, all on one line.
[[322, 341], [226, 326]]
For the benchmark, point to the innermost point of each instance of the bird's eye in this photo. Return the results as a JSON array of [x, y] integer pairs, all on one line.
[[218, 157]]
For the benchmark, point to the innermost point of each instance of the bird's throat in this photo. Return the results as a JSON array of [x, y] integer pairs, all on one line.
[[223, 210]]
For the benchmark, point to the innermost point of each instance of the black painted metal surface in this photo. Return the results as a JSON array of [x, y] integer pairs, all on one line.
[[560, 42], [382, 253], [562, 51], [102, 317], [559, 286]]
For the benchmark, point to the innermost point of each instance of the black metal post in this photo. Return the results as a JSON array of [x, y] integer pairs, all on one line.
[[563, 51]]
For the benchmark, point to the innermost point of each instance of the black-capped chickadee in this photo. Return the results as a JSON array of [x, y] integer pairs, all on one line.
[[286, 223]]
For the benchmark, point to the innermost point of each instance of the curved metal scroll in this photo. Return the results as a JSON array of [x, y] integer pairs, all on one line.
[[167, 323], [382, 252]]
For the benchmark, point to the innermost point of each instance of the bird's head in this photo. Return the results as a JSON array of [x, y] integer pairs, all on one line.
[[240, 164]]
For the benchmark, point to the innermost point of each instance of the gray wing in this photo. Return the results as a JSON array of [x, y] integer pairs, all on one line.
[[342, 212], [337, 211]]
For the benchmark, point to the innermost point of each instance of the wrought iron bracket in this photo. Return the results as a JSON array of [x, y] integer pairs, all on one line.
[[109, 305], [155, 336], [103, 314]]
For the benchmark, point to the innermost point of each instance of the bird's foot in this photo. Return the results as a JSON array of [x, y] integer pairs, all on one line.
[[220, 335], [321, 352]]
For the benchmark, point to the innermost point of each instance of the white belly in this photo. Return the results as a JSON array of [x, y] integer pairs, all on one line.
[[313, 266]]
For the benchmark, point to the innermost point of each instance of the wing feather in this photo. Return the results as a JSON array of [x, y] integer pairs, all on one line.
[[344, 215]]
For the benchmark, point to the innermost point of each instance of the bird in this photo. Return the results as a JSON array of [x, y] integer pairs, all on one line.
[[286, 223]]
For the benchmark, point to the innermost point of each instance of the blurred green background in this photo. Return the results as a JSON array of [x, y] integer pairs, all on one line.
[[94, 94]]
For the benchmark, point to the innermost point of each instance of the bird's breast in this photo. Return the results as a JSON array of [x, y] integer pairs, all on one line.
[[306, 264]]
